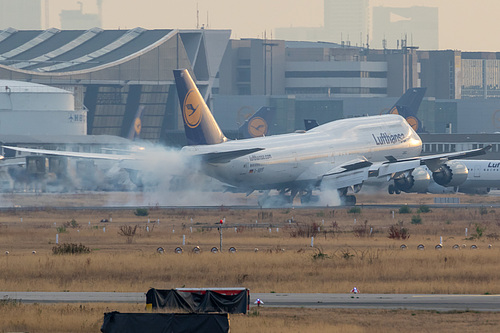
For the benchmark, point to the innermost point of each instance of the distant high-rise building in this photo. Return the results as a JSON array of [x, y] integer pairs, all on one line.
[[346, 20], [21, 14], [77, 20], [417, 25]]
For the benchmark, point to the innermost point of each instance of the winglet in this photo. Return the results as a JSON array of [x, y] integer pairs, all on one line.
[[199, 123]]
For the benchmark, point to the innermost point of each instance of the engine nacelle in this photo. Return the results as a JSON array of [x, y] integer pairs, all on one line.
[[417, 181], [451, 173]]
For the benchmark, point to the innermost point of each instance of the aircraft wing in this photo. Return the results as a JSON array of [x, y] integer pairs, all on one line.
[[352, 173], [73, 154], [212, 157], [433, 162]]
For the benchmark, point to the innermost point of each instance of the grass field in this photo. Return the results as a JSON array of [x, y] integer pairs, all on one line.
[[274, 254]]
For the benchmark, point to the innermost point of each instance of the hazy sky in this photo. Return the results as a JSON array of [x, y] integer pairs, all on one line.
[[463, 25]]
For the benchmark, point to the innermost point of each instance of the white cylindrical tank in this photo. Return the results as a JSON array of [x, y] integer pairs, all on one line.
[[36, 109]]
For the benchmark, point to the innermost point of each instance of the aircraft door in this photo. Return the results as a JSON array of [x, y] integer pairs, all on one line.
[[477, 172]]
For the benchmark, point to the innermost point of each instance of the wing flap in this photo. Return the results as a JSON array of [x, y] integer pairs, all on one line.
[[348, 174]]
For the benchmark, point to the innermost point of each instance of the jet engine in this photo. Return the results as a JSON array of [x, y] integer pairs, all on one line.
[[451, 173], [417, 181]]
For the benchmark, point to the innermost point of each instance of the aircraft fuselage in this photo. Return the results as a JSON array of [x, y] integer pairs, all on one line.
[[302, 158]]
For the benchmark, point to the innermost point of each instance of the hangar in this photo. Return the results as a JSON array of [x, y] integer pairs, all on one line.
[[115, 72]]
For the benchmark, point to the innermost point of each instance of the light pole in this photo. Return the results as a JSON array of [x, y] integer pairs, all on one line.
[[220, 233]]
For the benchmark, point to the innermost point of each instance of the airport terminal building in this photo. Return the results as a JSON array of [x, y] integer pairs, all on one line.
[[114, 72]]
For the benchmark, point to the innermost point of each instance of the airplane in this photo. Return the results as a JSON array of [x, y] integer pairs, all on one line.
[[258, 124], [341, 154], [338, 156], [406, 106], [480, 177], [135, 130]]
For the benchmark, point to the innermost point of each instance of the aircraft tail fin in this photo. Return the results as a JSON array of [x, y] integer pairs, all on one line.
[[258, 124], [407, 106], [135, 130], [199, 123]]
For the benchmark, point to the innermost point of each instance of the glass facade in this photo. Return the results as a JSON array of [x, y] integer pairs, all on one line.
[[480, 78]]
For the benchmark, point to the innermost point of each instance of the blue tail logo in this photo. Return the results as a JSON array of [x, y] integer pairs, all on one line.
[[192, 114], [257, 127], [135, 130], [199, 123]]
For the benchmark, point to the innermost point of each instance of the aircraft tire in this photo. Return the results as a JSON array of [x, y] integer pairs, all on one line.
[[350, 200], [390, 189]]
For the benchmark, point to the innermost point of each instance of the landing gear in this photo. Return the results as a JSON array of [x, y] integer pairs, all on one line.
[[349, 200], [393, 189]]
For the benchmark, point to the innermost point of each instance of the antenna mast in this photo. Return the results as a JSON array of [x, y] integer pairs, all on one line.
[[197, 17]]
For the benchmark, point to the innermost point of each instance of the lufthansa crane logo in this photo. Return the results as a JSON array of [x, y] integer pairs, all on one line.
[[413, 122], [137, 126], [394, 110], [257, 127], [192, 109]]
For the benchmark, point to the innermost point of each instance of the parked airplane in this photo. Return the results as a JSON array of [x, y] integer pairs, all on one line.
[[135, 130], [259, 124], [406, 106], [339, 155], [478, 177]]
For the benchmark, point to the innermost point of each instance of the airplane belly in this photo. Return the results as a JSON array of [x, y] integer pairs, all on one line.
[[255, 175]]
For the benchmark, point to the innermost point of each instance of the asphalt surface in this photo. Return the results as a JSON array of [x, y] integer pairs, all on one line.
[[344, 301]]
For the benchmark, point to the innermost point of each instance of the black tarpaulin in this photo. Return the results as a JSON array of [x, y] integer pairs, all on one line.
[[200, 301], [115, 322]]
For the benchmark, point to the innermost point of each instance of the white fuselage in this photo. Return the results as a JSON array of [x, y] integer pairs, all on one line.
[[301, 159]]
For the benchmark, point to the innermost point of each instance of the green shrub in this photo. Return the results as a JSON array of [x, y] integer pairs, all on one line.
[[479, 231], [423, 209], [320, 255], [354, 210], [141, 212], [416, 219], [405, 209], [70, 248]]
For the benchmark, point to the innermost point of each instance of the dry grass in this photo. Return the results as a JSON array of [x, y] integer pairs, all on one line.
[[89, 317], [375, 264]]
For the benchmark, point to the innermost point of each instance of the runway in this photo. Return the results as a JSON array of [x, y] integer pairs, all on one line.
[[340, 301]]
